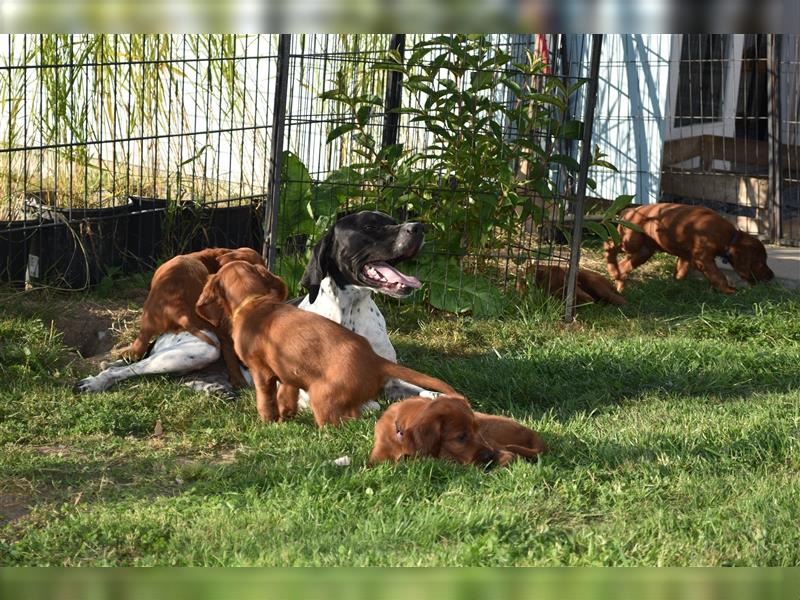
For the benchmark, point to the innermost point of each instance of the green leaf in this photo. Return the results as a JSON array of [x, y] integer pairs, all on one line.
[[453, 291], [613, 232], [331, 95], [548, 99], [512, 85], [391, 152], [363, 114], [555, 82], [567, 161], [575, 87], [388, 65], [365, 139], [605, 164], [418, 86], [534, 211], [409, 111], [449, 84], [572, 130], [294, 217], [417, 55], [628, 224], [291, 269], [482, 80], [332, 193], [619, 203], [440, 131], [596, 228], [340, 131]]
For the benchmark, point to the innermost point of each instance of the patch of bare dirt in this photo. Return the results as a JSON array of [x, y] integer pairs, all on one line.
[[90, 334], [59, 450], [91, 326], [12, 507], [216, 459]]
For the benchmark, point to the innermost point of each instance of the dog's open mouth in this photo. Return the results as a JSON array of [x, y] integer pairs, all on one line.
[[389, 280]]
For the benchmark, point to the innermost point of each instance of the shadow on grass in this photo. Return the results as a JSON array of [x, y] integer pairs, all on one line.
[[589, 375], [663, 296]]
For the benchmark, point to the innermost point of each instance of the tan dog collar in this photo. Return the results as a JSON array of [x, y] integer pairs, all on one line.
[[243, 303]]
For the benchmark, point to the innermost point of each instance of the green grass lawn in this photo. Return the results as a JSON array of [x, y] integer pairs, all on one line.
[[673, 426]]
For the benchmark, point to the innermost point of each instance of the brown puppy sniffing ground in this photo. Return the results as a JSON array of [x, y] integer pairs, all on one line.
[[696, 235]]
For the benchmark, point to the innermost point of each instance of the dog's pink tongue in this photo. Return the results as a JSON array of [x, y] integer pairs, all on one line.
[[394, 276]]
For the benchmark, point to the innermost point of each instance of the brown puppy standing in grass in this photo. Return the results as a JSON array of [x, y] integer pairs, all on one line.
[[591, 286], [448, 428], [174, 290], [302, 350], [696, 235]]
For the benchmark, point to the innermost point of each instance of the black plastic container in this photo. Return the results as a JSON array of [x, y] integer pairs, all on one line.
[[218, 226], [82, 247], [228, 226], [148, 226], [16, 239]]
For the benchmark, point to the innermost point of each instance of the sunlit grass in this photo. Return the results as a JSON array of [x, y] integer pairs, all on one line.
[[672, 426]]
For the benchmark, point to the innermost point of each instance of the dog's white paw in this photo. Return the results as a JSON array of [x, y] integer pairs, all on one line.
[[89, 385], [370, 406], [211, 384], [430, 395], [302, 401]]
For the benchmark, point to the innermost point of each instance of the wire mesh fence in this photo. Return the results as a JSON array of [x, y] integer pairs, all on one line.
[[786, 150], [730, 136], [439, 146], [117, 151]]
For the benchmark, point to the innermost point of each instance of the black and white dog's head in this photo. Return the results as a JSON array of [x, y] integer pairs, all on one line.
[[361, 249]]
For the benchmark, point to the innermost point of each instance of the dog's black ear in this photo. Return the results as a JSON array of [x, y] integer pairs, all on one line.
[[318, 266]]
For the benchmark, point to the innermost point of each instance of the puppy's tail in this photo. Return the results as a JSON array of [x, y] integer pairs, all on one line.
[[525, 452], [391, 369], [614, 298]]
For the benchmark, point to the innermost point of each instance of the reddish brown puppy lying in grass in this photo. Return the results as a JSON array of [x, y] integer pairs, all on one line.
[[696, 235], [448, 428], [302, 350], [591, 286]]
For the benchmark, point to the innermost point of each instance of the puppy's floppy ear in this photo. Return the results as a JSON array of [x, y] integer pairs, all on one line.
[[743, 256], [278, 291], [209, 303], [318, 266], [423, 436]]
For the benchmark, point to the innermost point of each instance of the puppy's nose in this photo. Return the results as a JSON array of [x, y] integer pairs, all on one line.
[[414, 229], [486, 456]]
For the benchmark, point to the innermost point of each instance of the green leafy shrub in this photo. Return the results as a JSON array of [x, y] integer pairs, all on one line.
[[489, 161]]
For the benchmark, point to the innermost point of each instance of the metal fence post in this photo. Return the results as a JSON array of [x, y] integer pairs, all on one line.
[[774, 135], [580, 197], [272, 206], [394, 94]]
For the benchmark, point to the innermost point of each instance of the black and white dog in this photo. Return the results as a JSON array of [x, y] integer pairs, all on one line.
[[354, 259]]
